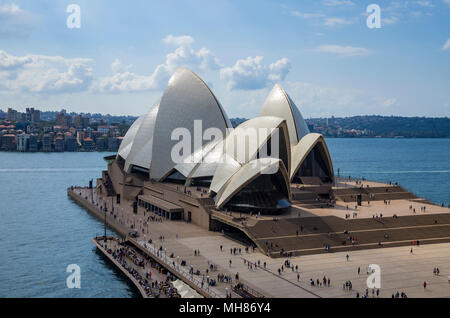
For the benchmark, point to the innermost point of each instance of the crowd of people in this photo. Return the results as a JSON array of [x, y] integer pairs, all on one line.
[[324, 282], [366, 293], [399, 295], [134, 264]]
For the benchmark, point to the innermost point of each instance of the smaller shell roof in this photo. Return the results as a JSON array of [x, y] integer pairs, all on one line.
[[304, 147], [260, 127], [248, 173], [141, 150], [279, 104], [128, 139]]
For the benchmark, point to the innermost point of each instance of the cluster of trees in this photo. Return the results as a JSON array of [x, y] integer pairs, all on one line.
[[391, 126], [373, 126]]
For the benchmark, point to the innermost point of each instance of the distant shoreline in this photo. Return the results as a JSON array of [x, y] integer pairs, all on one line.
[[328, 137]]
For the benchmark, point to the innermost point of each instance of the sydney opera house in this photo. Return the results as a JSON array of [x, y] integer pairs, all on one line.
[[238, 170], [268, 182]]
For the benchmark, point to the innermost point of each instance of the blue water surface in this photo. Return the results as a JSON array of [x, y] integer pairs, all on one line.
[[42, 231]]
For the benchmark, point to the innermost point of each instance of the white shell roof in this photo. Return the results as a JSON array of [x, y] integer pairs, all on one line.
[[236, 153], [141, 150], [225, 170], [128, 139], [186, 99], [236, 147], [203, 161], [304, 147], [279, 104], [248, 173]]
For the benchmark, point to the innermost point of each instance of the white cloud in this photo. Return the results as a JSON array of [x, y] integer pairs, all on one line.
[[446, 1], [118, 67], [337, 21], [389, 20], [343, 51], [315, 100], [333, 3], [11, 62], [446, 46], [44, 74], [251, 73], [425, 4], [389, 102], [183, 40], [125, 81], [306, 15], [14, 21]]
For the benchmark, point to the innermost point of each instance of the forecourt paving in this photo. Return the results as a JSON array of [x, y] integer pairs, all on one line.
[[400, 271]]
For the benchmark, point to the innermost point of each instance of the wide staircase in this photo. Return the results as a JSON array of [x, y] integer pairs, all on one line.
[[316, 233], [373, 193], [311, 197]]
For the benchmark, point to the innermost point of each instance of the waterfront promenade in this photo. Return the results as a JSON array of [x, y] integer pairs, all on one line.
[[158, 232], [401, 270]]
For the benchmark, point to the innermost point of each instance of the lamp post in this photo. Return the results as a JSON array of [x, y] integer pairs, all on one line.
[[105, 227]]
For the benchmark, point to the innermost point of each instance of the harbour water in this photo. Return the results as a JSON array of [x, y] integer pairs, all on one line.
[[43, 231]]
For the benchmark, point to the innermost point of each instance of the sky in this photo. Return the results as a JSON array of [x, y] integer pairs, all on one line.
[[322, 52]]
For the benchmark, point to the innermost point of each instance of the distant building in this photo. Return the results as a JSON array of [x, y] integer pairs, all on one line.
[[59, 144], [12, 114], [119, 142], [71, 144], [86, 122], [77, 122], [88, 144], [103, 129], [113, 144], [63, 120], [32, 115], [33, 143], [8, 142], [81, 122], [101, 144], [22, 142], [46, 143]]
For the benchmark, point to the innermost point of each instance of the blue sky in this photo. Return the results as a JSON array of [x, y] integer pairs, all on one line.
[[321, 52]]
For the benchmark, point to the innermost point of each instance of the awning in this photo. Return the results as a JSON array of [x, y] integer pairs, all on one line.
[[185, 290], [160, 203]]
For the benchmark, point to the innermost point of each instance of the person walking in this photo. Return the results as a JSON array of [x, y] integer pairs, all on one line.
[[347, 256]]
